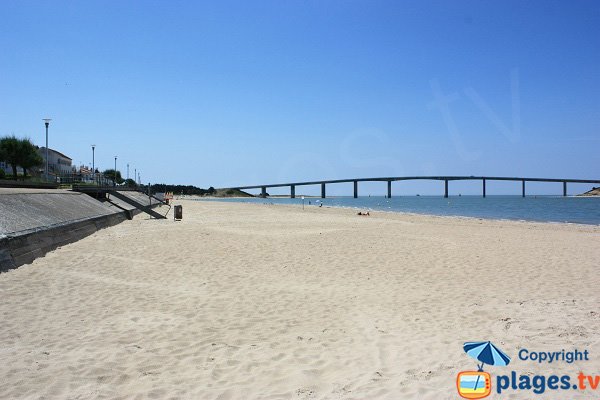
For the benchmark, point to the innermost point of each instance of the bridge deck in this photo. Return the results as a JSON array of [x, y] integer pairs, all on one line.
[[391, 179], [408, 178]]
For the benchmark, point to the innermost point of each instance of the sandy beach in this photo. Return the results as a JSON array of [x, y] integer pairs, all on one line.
[[255, 301]]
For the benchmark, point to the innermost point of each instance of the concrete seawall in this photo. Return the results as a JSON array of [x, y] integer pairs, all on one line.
[[36, 221]]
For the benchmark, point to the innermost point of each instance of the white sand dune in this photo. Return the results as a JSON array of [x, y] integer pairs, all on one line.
[[243, 301]]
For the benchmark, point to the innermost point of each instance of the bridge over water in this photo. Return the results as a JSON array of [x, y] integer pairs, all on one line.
[[389, 181]]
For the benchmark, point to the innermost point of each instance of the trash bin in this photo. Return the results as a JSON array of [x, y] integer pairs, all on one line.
[[178, 213]]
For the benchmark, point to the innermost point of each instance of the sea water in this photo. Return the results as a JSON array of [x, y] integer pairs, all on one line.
[[581, 210]]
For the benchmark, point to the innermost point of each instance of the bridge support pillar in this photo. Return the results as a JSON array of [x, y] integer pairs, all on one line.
[[292, 191], [523, 188], [446, 188], [355, 189], [322, 190], [389, 189], [483, 187], [564, 188], [263, 192]]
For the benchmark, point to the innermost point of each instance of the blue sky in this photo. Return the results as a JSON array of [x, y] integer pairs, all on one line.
[[235, 92]]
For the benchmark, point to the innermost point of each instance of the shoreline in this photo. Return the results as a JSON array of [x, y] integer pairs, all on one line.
[[257, 202]]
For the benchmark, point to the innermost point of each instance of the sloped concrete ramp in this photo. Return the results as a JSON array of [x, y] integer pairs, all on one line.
[[36, 221], [23, 210]]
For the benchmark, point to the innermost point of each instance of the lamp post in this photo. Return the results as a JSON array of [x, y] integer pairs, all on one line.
[[47, 123], [115, 173], [127, 171], [93, 162], [135, 175]]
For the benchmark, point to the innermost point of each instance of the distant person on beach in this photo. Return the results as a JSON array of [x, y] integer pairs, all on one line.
[[363, 213]]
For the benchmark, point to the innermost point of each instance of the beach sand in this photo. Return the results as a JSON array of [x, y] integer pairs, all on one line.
[[255, 301]]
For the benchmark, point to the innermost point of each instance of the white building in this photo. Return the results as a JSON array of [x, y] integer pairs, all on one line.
[[58, 163]]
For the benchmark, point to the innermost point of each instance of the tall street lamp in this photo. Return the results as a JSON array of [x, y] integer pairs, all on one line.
[[115, 174], [47, 122], [127, 171], [93, 163]]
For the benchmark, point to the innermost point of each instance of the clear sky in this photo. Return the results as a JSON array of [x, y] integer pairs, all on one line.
[[229, 93]]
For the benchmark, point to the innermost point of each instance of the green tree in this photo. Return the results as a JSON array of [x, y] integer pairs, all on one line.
[[130, 183], [110, 174], [28, 156], [10, 152], [19, 153]]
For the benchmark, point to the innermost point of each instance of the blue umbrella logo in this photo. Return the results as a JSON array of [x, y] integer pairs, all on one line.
[[487, 353]]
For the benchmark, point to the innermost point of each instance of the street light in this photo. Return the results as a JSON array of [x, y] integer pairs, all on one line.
[[93, 163], [47, 122], [127, 171], [115, 173]]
